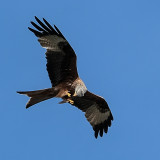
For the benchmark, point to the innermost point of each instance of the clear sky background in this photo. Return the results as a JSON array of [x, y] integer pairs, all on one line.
[[117, 43]]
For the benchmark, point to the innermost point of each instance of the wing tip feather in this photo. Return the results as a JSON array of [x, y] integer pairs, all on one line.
[[103, 127], [46, 29]]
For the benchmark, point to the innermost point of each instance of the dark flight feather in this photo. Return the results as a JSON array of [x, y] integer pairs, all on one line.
[[59, 32], [51, 28], [45, 27], [38, 27], [38, 34]]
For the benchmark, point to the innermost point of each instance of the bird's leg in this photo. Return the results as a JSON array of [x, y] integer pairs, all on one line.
[[68, 94], [69, 98], [70, 101]]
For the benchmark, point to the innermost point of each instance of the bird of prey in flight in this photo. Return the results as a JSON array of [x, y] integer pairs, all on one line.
[[66, 84]]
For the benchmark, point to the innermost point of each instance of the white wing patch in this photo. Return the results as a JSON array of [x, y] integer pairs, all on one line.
[[50, 42], [95, 117]]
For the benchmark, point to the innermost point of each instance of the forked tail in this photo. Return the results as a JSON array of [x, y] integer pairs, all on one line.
[[39, 95]]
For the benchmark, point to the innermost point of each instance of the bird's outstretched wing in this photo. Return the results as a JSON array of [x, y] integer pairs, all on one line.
[[61, 58], [96, 111]]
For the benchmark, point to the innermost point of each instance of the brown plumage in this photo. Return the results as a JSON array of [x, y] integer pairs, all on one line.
[[66, 84]]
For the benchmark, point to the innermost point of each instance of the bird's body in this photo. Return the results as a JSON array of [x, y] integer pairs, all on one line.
[[66, 84]]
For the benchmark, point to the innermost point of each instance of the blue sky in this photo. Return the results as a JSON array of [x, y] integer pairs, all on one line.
[[118, 48]]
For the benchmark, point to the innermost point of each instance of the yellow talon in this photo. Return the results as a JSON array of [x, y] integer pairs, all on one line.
[[70, 101], [68, 94]]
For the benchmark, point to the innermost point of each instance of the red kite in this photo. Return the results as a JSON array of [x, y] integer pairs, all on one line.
[[66, 84]]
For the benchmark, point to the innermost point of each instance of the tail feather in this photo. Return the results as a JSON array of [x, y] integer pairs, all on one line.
[[39, 95]]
